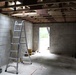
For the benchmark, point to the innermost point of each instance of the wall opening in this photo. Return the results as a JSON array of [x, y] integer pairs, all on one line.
[[44, 39]]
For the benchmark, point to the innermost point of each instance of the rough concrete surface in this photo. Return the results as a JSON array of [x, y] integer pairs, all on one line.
[[7, 24], [62, 38], [43, 64]]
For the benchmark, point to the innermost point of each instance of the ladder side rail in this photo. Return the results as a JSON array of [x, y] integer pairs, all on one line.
[[12, 36], [22, 28], [18, 49], [10, 48], [16, 23]]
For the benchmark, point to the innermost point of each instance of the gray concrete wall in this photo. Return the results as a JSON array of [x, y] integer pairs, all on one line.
[[6, 24], [62, 38], [29, 34], [4, 37], [35, 38]]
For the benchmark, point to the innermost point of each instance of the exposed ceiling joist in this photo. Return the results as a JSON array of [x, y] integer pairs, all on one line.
[[64, 6], [54, 13], [41, 3], [52, 8], [62, 11], [8, 0], [51, 17]]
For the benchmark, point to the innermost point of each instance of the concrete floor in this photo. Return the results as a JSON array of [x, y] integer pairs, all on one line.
[[43, 64]]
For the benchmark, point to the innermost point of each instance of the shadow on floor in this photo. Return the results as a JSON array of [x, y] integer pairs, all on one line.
[[54, 60]]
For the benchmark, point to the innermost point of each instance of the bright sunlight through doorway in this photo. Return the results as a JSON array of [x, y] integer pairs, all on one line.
[[44, 39]]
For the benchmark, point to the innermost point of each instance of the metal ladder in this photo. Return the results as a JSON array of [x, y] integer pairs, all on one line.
[[16, 41]]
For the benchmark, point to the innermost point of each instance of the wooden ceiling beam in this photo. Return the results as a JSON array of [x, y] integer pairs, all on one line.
[[41, 3], [44, 1], [52, 8], [62, 12], [52, 22], [55, 16], [7, 0], [67, 6]]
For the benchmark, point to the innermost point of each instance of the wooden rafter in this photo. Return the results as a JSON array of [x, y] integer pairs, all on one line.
[[49, 5], [52, 8], [41, 3]]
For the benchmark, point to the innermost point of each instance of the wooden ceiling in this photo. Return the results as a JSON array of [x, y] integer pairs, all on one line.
[[40, 11]]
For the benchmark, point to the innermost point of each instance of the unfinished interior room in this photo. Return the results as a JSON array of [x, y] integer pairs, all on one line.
[[37, 37]]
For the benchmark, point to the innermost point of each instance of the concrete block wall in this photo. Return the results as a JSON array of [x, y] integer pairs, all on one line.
[[62, 38], [6, 24], [4, 37], [29, 34], [35, 38]]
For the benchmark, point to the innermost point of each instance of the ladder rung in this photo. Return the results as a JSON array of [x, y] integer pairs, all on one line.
[[13, 50], [18, 43], [15, 43], [19, 30], [12, 58], [16, 37], [18, 24]]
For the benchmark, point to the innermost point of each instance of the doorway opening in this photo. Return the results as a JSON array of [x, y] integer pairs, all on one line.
[[44, 39]]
